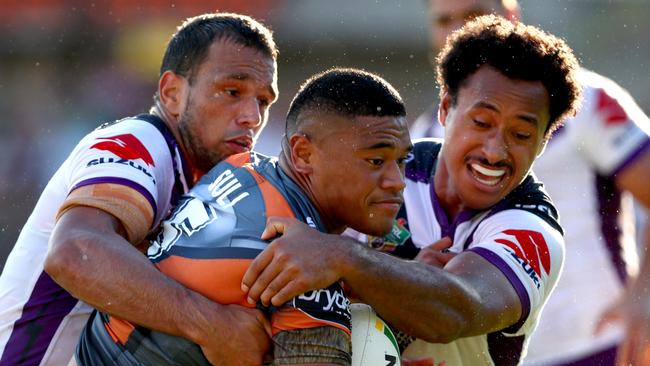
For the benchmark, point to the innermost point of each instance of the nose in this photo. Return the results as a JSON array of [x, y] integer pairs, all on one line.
[[393, 178], [250, 113], [495, 148]]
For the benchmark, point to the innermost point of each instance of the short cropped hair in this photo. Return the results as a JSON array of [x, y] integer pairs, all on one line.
[[189, 46], [345, 92], [518, 51]]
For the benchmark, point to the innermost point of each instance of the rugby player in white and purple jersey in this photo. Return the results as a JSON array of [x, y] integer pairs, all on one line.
[[505, 87], [79, 247], [590, 167]]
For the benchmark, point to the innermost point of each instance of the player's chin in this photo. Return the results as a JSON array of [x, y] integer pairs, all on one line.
[[380, 225]]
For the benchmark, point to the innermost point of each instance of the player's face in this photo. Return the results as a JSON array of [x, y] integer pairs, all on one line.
[[492, 136], [227, 103], [358, 172], [447, 16]]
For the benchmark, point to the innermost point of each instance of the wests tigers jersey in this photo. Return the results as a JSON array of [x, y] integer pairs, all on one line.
[[207, 244]]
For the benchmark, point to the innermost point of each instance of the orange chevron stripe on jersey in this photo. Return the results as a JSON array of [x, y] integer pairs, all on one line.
[[119, 330], [532, 248], [217, 279], [274, 201], [239, 160]]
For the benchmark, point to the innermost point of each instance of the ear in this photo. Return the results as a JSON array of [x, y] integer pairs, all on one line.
[[173, 90], [443, 108], [302, 153]]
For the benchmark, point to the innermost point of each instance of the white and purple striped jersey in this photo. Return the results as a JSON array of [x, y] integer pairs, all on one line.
[[520, 235], [578, 170], [40, 322]]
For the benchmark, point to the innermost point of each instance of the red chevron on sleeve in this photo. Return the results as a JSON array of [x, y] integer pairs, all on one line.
[[530, 246], [125, 146], [610, 109]]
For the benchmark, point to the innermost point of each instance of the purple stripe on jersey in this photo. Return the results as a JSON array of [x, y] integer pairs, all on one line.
[[446, 228], [602, 358], [519, 287], [609, 206], [42, 314], [441, 215], [632, 157], [505, 351], [122, 181]]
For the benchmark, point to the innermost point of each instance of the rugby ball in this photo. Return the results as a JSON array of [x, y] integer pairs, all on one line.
[[373, 343]]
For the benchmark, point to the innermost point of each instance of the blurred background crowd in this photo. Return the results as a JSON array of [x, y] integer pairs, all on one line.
[[66, 66]]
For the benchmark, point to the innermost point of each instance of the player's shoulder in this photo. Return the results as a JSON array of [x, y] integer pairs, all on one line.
[[241, 172], [531, 197], [422, 161], [602, 97], [140, 135]]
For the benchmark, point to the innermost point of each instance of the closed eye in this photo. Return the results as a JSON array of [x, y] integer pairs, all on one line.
[[480, 123], [522, 135]]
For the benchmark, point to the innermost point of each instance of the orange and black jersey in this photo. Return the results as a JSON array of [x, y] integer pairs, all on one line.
[[207, 243]]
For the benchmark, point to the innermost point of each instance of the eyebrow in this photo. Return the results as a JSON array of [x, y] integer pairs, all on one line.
[[386, 145], [243, 76], [524, 117]]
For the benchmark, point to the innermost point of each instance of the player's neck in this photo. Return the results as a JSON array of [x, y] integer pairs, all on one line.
[[446, 194], [304, 183]]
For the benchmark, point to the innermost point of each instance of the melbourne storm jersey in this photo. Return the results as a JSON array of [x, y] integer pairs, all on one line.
[[578, 169], [136, 160], [520, 235], [207, 244]]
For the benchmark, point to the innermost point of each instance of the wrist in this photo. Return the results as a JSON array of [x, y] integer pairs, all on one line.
[[348, 253], [199, 318]]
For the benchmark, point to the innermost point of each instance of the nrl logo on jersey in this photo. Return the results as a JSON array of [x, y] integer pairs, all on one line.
[[398, 235]]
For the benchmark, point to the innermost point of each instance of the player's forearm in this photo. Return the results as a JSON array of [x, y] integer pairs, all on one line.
[[108, 273], [424, 301]]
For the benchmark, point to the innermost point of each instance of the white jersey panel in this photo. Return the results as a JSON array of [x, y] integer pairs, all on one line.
[[117, 154], [609, 127]]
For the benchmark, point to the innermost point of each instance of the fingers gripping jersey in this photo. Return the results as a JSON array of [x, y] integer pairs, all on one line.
[[131, 168], [208, 243], [520, 235]]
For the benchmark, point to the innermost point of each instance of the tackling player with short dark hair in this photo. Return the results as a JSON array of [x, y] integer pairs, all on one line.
[[79, 248]]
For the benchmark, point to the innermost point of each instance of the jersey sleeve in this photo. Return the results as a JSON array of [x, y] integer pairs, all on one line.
[[528, 251], [610, 129], [124, 168]]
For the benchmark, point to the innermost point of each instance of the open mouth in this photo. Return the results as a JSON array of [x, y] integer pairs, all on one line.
[[490, 177]]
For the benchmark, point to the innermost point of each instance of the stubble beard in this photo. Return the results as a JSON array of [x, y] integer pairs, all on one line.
[[202, 158]]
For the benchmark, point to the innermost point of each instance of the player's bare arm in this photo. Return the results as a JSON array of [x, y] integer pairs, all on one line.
[[452, 302], [91, 259]]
